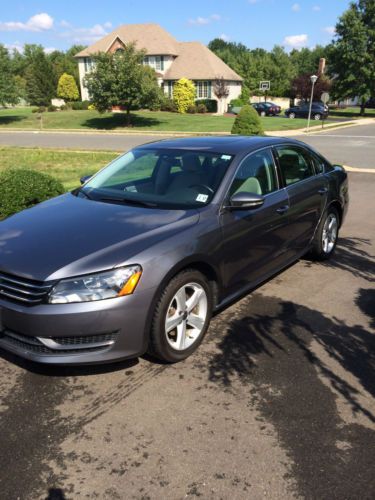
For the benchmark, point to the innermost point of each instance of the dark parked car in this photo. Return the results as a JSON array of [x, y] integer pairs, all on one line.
[[266, 108], [139, 257], [318, 111]]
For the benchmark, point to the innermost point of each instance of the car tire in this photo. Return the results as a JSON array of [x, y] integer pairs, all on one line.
[[292, 116], [317, 116], [263, 113], [181, 321], [326, 235]]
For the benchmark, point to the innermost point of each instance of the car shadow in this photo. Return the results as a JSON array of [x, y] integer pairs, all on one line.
[[118, 120]]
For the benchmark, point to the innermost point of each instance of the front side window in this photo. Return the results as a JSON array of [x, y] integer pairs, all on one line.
[[203, 90], [295, 164], [256, 174], [160, 178]]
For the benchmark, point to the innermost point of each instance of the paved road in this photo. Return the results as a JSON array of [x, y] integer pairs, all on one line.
[[278, 403], [354, 146]]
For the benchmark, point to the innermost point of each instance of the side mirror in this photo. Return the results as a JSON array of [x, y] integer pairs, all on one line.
[[245, 201], [85, 178]]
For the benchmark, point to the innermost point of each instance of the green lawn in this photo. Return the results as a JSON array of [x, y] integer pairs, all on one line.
[[66, 166], [23, 118], [352, 113]]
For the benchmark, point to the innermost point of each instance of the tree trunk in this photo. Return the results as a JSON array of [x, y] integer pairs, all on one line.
[[128, 116], [363, 108]]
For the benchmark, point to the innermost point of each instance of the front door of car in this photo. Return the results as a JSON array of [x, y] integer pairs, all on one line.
[[254, 239], [307, 193]]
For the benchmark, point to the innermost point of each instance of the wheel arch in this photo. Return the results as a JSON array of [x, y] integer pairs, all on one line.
[[194, 262], [337, 205]]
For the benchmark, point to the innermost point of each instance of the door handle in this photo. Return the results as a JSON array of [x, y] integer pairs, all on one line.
[[283, 209], [323, 190]]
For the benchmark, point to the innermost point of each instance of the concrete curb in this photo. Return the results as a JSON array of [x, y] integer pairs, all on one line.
[[359, 170]]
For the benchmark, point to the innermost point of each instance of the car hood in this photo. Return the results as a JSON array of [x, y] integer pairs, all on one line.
[[68, 236]]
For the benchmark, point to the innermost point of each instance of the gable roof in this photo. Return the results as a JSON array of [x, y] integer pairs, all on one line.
[[150, 37], [197, 62], [193, 60]]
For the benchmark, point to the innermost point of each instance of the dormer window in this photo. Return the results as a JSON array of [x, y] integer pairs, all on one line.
[[156, 62]]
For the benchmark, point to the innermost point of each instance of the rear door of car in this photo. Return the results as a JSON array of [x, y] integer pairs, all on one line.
[[254, 240], [307, 194]]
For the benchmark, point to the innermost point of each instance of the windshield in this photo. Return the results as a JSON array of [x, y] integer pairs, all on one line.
[[164, 178]]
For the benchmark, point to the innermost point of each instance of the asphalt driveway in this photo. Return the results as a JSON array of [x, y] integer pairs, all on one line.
[[278, 402]]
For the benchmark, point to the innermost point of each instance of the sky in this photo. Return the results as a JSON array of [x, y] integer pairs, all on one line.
[[255, 23]]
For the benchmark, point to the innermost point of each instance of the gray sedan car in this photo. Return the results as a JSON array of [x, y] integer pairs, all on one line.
[[139, 257]]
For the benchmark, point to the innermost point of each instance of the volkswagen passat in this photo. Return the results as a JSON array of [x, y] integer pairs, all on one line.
[[139, 257]]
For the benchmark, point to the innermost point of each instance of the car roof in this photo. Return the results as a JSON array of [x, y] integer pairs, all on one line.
[[219, 144]]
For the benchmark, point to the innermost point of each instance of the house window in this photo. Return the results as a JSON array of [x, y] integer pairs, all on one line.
[[88, 64], [170, 89], [156, 62], [203, 90]]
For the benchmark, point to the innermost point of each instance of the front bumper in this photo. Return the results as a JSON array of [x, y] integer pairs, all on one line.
[[74, 334]]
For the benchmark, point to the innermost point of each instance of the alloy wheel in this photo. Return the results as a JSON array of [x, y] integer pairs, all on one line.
[[186, 316], [329, 235]]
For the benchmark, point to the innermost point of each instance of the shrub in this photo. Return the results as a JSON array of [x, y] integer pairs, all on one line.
[[21, 188], [51, 108], [168, 105], [247, 122], [67, 88], [192, 109], [79, 105], [40, 109], [236, 103], [91, 107], [201, 108], [184, 94], [211, 104]]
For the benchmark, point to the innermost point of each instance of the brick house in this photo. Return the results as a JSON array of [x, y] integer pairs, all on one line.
[[171, 60]]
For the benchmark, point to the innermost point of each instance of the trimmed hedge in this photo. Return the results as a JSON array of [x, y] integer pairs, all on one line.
[[22, 188], [247, 122]]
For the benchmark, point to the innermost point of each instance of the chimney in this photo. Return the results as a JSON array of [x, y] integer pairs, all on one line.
[[322, 66]]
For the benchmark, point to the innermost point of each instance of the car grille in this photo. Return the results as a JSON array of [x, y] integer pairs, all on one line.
[[23, 290], [60, 345]]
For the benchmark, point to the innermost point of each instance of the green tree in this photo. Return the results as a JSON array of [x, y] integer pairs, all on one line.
[[64, 62], [247, 122], [40, 78], [352, 54], [121, 79], [67, 88], [184, 94], [9, 93]]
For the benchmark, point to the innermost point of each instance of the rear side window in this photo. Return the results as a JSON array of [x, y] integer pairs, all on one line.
[[256, 174], [321, 165], [295, 164]]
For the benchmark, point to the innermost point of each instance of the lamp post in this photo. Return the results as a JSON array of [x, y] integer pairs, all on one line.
[[313, 79]]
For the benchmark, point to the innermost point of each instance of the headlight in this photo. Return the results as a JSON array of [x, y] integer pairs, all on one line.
[[107, 285]]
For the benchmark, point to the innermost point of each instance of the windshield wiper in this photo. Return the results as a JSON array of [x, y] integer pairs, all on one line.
[[128, 201]]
